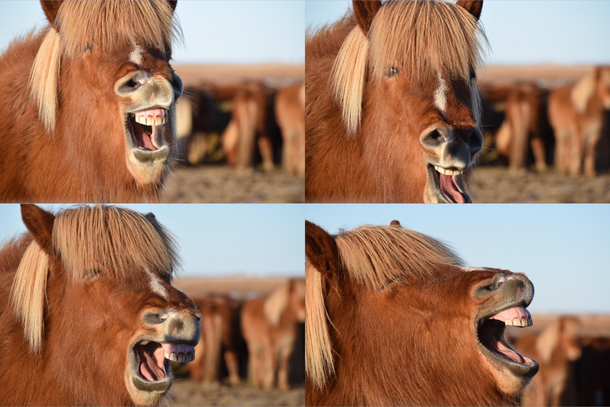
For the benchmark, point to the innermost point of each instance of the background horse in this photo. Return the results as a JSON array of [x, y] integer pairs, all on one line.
[[219, 335], [399, 120], [394, 319], [270, 327], [555, 349], [576, 113], [88, 104], [290, 115], [87, 311]]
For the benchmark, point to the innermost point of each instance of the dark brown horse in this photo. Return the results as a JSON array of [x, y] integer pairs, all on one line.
[[392, 109], [88, 314], [88, 104], [394, 319]]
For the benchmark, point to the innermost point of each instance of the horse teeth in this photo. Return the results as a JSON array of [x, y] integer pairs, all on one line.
[[149, 121], [181, 358], [158, 120], [508, 322], [144, 343], [447, 171], [189, 357], [166, 355]]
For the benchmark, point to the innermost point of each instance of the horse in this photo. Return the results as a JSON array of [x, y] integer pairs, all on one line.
[[593, 372], [290, 115], [523, 124], [393, 318], [556, 348], [251, 123], [392, 108], [218, 337], [270, 325], [88, 103], [576, 113], [87, 311]]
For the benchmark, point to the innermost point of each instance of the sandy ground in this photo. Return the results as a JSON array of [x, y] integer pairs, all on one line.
[[223, 184], [499, 185], [186, 392]]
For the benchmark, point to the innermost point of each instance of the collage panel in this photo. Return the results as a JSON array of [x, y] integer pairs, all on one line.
[[152, 101], [425, 305], [457, 102], [188, 305]]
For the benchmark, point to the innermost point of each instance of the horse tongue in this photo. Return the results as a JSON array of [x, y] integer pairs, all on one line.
[[449, 189], [151, 363], [507, 352]]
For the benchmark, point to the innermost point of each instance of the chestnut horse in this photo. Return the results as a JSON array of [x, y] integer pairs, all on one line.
[[290, 115], [394, 319], [249, 125], [88, 314], [88, 104], [522, 127], [218, 336], [576, 114], [270, 326], [392, 109]]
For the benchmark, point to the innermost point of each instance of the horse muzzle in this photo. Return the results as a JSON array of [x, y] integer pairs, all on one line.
[[449, 153], [171, 335]]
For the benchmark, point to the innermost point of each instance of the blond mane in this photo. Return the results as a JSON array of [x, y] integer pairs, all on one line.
[[275, 304], [114, 241], [582, 92], [101, 25], [370, 255], [422, 38]]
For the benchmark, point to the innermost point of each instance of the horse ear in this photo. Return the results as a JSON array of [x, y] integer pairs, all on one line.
[[173, 4], [321, 249], [50, 8], [40, 225], [395, 223], [474, 7], [365, 11]]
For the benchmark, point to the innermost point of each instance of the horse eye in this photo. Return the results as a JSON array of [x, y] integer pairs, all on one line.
[[393, 280], [391, 71], [92, 273]]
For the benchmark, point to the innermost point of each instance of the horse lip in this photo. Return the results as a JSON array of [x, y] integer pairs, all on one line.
[[434, 187], [518, 369], [140, 383], [140, 155]]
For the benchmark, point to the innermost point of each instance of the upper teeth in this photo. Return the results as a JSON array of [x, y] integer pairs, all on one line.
[[447, 171], [180, 357], [522, 322], [152, 117]]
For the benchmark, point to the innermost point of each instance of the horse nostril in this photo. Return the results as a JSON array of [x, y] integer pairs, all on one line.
[[133, 82], [434, 138], [473, 139]]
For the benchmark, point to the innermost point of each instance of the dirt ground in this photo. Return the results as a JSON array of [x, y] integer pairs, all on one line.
[[223, 184], [186, 392], [499, 185]]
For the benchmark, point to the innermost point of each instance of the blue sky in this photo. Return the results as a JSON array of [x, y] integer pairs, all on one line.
[[251, 240], [563, 249], [216, 32], [524, 32]]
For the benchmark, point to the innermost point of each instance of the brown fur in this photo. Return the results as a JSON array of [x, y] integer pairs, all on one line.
[[555, 349], [90, 315], [218, 315], [290, 115], [269, 326], [363, 129], [63, 135], [390, 322], [576, 113]]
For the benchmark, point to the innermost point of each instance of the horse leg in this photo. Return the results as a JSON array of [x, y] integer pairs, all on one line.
[[538, 149], [577, 153], [232, 366], [282, 373], [264, 146], [269, 365], [591, 141]]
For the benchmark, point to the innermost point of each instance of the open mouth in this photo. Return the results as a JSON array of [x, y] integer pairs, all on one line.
[[146, 128], [149, 363], [493, 342], [447, 184]]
